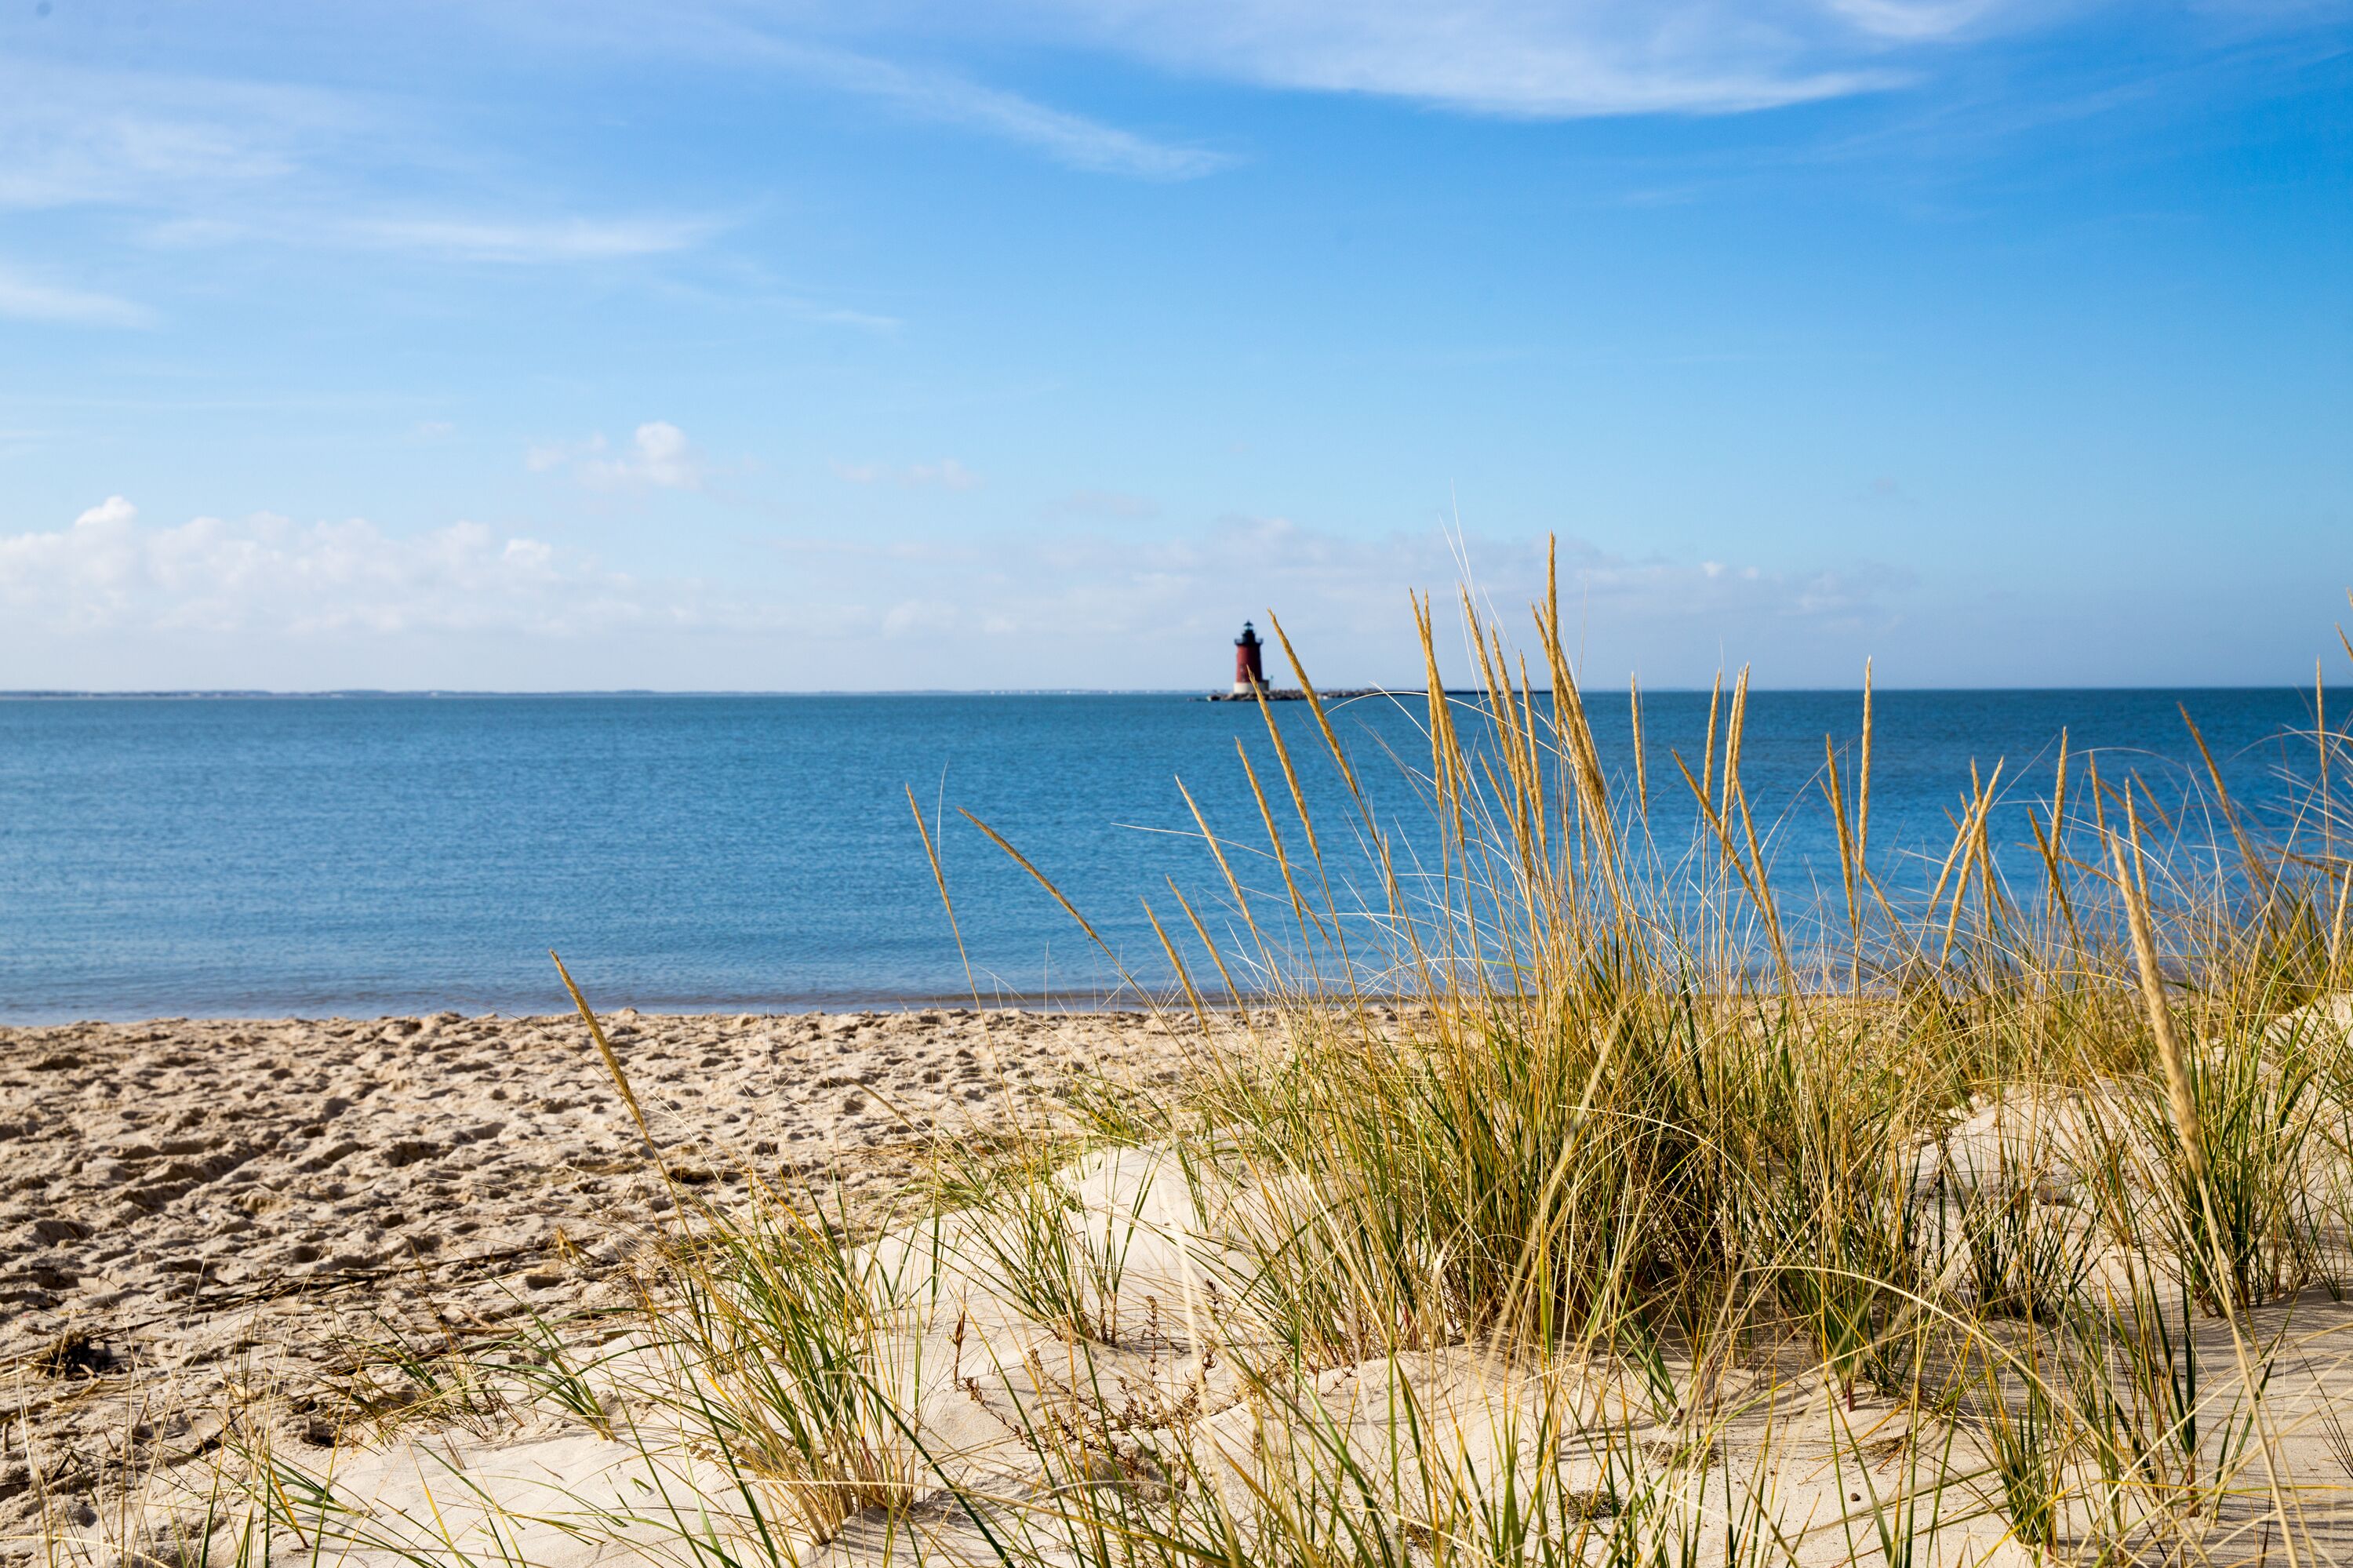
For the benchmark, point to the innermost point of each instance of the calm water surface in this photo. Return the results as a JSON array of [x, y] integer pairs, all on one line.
[[245, 857]]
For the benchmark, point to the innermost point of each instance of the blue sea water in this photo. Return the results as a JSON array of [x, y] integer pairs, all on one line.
[[369, 855]]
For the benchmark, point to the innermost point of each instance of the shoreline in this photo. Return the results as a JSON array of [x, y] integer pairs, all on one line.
[[764, 1009]]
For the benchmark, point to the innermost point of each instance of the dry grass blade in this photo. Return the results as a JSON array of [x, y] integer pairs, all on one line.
[[1862, 786], [2183, 1105], [1176, 964], [1707, 751], [2248, 854], [1202, 933], [1968, 841], [605, 1049], [2171, 1059], [1446, 772], [1291, 777], [1308, 916], [1234, 888], [940, 881], [1642, 766], [1315, 703], [1837, 795], [1734, 721], [1042, 879]]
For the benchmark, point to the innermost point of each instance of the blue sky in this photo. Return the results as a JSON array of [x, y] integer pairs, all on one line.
[[804, 345]]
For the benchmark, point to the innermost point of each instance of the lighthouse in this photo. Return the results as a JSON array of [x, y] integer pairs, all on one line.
[[1249, 674]]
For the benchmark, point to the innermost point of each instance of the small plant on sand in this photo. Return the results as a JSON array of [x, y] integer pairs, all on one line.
[[2237, 1219], [393, 1378], [2030, 1444], [1846, 1215], [1060, 1258], [556, 1373], [2026, 1257], [781, 1341]]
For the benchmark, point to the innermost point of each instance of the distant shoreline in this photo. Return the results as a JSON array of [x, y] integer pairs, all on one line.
[[364, 693], [1192, 694]]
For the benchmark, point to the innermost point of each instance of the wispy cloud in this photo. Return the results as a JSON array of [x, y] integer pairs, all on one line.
[[1107, 505], [945, 473], [27, 299], [1118, 601], [1916, 19], [930, 93], [218, 161], [555, 239], [1289, 562], [544, 457], [838, 315], [795, 44], [1539, 58], [72, 136]]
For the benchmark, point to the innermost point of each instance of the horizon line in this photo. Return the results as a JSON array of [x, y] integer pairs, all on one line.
[[265, 694]]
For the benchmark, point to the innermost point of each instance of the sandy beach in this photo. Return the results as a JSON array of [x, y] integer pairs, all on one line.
[[230, 1242], [205, 1214]]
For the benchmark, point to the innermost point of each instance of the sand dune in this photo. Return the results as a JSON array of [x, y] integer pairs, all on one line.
[[235, 1220]]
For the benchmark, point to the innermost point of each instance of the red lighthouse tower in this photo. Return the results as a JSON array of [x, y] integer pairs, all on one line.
[[1249, 674]]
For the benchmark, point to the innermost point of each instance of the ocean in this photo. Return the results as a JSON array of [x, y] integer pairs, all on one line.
[[366, 854]]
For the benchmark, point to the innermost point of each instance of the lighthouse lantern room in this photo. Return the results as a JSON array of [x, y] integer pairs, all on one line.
[[1249, 674]]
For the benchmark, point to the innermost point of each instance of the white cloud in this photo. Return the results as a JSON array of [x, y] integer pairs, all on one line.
[[29, 300], [113, 512], [658, 456], [266, 574], [281, 602]]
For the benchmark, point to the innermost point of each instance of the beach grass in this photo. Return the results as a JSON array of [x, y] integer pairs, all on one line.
[[1558, 1195]]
